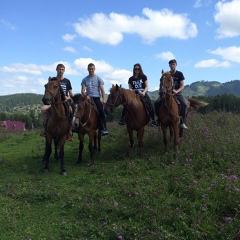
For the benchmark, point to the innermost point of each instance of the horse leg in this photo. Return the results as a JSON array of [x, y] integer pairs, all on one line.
[[175, 129], [130, 133], [91, 148], [99, 140], [61, 155], [140, 139], [56, 141], [165, 140], [81, 146], [48, 151], [95, 141]]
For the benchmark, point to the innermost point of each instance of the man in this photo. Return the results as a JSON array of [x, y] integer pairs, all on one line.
[[67, 89], [92, 87], [178, 86]]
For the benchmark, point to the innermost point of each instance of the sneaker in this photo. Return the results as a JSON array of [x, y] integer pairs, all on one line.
[[43, 133], [183, 126], [121, 122], [154, 123], [104, 132], [69, 137]]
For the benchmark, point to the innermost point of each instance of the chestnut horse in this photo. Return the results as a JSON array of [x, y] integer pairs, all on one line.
[[135, 118], [85, 121], [57, 123], [169, 110]]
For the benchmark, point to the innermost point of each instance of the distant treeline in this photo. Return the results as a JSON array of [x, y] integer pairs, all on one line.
[[33, 119]]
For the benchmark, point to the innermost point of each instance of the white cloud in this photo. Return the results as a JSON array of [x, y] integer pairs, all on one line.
[[69, 37], [201, 3], [101, 66], [86, 48], [229, 53], [227, 15], [212, 63], [7, 25], [69, 49], [19, 67], [165, 56], [109, 29]]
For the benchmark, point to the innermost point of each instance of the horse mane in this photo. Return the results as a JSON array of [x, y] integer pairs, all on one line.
[[131, 97]]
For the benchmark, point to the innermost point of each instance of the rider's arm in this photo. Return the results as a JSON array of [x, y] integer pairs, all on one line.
[[103, 93], [146, 88], [181, 87]]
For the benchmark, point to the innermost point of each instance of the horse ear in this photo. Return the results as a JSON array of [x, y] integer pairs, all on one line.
[[116, 87], [120, 85], [49, 78], [162, 71]]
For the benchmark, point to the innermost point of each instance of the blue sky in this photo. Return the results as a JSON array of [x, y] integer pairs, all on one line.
[[203, 35]]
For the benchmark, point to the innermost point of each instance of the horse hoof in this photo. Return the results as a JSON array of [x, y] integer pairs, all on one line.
[[90, 164], [64, 173], [45, 170]]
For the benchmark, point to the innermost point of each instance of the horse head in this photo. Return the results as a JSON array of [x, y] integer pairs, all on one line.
[[166, 84], [53, 91], [114, 98]]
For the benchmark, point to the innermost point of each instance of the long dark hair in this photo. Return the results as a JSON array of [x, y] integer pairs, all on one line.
[[138, 65]]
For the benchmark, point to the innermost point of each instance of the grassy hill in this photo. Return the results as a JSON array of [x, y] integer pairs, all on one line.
[[208, 88]]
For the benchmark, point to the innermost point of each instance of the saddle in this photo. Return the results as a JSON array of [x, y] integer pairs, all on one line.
[[148, 107]]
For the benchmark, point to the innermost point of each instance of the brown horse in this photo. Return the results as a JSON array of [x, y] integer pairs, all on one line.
[[169, 110], [57, 124], [135, 118], [85, 121]]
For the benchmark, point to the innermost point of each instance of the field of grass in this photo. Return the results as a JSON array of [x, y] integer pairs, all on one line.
[[124, 196]]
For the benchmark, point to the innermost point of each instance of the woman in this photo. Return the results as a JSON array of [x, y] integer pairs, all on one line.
[[139, 84]]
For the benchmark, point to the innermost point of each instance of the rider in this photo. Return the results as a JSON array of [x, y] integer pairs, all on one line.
[[67, 89], [138, 83], [92, 87], [178, 86]]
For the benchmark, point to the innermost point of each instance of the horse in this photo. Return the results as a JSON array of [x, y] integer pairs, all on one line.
[[136, 117], [85, 121], [57, 123], [168, 113]]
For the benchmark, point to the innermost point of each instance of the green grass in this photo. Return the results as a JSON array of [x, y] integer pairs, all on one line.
[[125, 196]]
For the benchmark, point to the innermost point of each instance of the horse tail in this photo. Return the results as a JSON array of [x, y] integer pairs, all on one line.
[[56, 140], [195, 103]]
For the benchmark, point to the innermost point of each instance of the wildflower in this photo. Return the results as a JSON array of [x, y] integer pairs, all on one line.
[[233, 177], [204, 195], [228, 219], [136, 193], [208, 188], [108, 182], [237, 189], [119, 236], [177, 209], [115, 204]]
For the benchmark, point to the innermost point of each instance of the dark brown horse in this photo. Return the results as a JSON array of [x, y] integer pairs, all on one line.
[[135, 118], [57, 124], [169, 110], [85, 121]]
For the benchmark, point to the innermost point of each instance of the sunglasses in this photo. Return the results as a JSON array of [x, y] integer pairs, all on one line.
[[136, 69]]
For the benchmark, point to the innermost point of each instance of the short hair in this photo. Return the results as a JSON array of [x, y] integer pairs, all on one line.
[[173, 61], [60, 65], [91, 65]]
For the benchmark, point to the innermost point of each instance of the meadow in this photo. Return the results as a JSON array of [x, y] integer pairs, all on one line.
[[124, 195]]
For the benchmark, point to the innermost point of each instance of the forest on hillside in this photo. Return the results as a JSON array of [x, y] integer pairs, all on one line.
[[28, 108]]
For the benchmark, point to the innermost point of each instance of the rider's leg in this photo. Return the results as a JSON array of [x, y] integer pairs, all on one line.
[[183, 113], [102, 118], [151, 110], [121, 121]]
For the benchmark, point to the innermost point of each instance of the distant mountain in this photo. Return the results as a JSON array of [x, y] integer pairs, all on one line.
[[208, 88], [27, 101]]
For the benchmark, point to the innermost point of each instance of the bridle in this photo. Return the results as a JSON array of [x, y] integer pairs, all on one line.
[[168, 92], [77, 105], [53, 102], [113, 104]]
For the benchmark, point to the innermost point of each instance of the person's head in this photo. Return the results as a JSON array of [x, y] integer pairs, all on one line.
[[173, 64], [91, 69], [137, 69], [60, 70]]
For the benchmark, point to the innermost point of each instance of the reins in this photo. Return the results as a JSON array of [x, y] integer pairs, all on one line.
[[89, 114]]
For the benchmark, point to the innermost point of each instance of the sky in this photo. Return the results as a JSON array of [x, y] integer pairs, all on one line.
[[202, 35]]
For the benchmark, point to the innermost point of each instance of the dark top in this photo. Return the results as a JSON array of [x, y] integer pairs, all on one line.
[[177, 78], [138, 83]]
